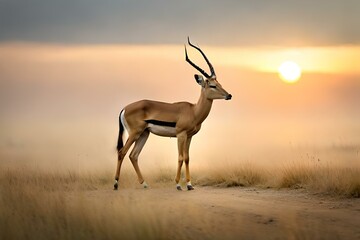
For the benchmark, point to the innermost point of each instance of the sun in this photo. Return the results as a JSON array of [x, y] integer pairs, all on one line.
[[289, 71]]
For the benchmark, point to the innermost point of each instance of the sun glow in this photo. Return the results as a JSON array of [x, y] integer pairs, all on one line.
[[289, 71]]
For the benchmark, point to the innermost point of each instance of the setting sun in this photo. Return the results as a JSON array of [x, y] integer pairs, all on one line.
[[289, 71]]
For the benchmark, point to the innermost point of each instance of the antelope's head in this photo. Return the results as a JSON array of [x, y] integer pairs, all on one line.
[[212, 88]]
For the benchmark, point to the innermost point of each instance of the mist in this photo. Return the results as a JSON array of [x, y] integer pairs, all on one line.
[[60, 105]]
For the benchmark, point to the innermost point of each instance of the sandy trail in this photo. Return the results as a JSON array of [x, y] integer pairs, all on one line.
[[240, 213]]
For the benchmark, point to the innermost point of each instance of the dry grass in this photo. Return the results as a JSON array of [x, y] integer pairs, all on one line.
[[34, 204], [325, 179], [243, 175]]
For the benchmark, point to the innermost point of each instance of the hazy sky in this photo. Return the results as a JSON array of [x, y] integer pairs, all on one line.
[[229, 22], [67, 68]]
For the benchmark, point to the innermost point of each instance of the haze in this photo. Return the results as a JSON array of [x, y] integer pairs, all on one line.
[[67, 69]]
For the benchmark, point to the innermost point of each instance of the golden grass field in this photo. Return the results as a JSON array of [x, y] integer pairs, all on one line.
[[295, 201]]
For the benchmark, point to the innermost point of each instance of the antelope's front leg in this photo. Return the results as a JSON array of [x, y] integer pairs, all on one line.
[[183, 149], [187, 160]]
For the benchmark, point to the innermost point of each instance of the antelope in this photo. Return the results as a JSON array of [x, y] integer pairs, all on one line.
[[180, 119]]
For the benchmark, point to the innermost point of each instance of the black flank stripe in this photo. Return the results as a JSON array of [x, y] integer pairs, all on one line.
[[161, 123]]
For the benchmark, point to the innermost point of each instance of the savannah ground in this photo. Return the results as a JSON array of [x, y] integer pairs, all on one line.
[[242, 202]]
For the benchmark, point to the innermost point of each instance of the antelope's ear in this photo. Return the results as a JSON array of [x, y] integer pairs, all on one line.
[[199, 79]]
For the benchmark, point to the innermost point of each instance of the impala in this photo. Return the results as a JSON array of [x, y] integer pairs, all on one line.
[[181, 120]]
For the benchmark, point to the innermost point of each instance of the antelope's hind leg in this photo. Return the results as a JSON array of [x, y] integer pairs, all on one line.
[[121, 154], [134, 155]]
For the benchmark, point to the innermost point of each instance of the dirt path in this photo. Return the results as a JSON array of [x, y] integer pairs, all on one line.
[[240, 213]]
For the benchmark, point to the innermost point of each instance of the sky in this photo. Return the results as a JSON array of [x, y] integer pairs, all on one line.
[[67, 68], [257, 22]]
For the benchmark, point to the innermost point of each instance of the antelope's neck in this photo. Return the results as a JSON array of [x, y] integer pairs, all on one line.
[[202, 108]]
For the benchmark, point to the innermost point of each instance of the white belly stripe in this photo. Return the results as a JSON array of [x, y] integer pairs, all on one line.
[[164, 131]]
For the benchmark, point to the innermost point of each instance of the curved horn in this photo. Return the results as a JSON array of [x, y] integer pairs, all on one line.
[[197, 67]]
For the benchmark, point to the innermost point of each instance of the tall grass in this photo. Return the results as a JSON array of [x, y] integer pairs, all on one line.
[[340, 181], [326, 179], [34, 206], [47, 205]]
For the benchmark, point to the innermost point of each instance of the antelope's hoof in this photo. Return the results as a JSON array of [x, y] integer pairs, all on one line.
[[116, 185], [178, 188], [190, 187], [144, 184]]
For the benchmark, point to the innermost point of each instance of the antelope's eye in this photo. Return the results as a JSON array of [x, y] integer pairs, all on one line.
[[212, 86]]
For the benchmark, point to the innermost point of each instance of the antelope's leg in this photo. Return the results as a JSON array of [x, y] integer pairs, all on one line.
[[121, 154], [134, 155], [181, 146], [118, 167], [186, 160]]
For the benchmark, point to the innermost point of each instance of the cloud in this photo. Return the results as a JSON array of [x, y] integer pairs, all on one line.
[[228, 22]]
